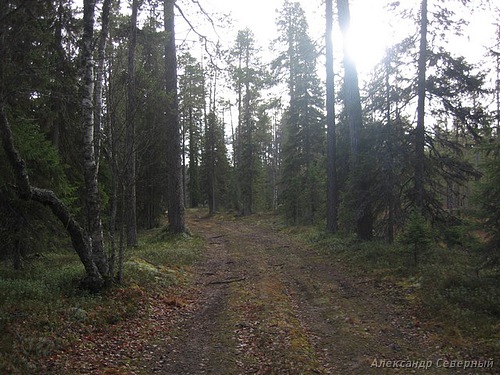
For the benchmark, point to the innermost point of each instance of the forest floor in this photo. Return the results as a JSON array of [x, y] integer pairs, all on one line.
[[264, 302]]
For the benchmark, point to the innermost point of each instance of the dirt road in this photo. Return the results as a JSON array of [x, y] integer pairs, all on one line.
[[270, 305]]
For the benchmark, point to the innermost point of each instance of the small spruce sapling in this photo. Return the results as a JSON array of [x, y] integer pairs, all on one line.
[[418, 234]]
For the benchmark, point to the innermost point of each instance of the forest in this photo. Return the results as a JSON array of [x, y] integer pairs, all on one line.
[[114, 124]]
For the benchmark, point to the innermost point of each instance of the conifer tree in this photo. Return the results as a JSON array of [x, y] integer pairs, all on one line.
[[303, 127], [215, 164], [151, 134], [191, 112], [130, 139], [331, 146], [248, 76], [173, 153], [357, 180], [435, 77]]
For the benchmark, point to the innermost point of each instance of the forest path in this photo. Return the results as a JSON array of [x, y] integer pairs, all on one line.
[[269, 304]]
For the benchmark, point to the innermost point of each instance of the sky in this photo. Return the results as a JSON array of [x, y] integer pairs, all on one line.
[[260, 16], [371, 29]]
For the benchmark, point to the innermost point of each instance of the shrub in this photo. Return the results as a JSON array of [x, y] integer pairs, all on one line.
[[417, 234]]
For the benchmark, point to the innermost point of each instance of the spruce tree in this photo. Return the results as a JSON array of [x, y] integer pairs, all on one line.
[[215, 165], [248, 75], [303, 126], [191, 115]]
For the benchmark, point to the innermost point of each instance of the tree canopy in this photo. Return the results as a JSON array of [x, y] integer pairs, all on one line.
[[116, 120]]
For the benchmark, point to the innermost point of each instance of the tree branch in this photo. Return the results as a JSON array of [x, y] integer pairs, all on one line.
[[203, 37]]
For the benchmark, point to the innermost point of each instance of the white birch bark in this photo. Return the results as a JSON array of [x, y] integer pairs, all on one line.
[[90, 165]]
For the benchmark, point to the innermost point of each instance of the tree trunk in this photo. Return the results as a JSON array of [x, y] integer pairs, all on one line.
[[25, 191], [391, 206], [351, 86], [174, 174], [420, 129], [101, 51], [100, 124], [331, 205], [89, 160], [130, 154], [497, 83], [210, 161], [248, 177], [354, 111], [56, 104]]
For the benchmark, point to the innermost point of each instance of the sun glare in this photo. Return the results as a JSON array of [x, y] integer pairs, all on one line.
[[368, 36]]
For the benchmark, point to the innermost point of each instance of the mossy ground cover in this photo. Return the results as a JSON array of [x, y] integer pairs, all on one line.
[[44, 312]]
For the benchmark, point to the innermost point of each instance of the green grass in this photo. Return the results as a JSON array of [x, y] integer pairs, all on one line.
[[43, 300]]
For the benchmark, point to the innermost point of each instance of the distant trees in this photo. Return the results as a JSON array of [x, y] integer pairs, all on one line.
[[192, 115], [248, 76], [150, 128], [215, 165], [303, 128], [149, 117]]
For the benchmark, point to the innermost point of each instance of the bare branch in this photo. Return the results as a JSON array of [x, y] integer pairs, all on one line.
[[203, 37]]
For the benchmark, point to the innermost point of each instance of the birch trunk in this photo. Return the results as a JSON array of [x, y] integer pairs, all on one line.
[[46, 197], [89, 158], [101, 51]]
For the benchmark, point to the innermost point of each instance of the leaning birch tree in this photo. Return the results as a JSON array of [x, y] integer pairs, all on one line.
[[95, 264]]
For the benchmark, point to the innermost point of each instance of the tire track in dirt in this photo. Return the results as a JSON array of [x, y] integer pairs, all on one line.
[[196, 344], [271, 305]]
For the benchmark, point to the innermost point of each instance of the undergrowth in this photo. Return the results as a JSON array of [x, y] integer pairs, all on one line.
[[43, 300], [448, 287]]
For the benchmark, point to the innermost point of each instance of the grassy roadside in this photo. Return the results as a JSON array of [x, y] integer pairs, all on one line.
[[42, 310], [456, 301]]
